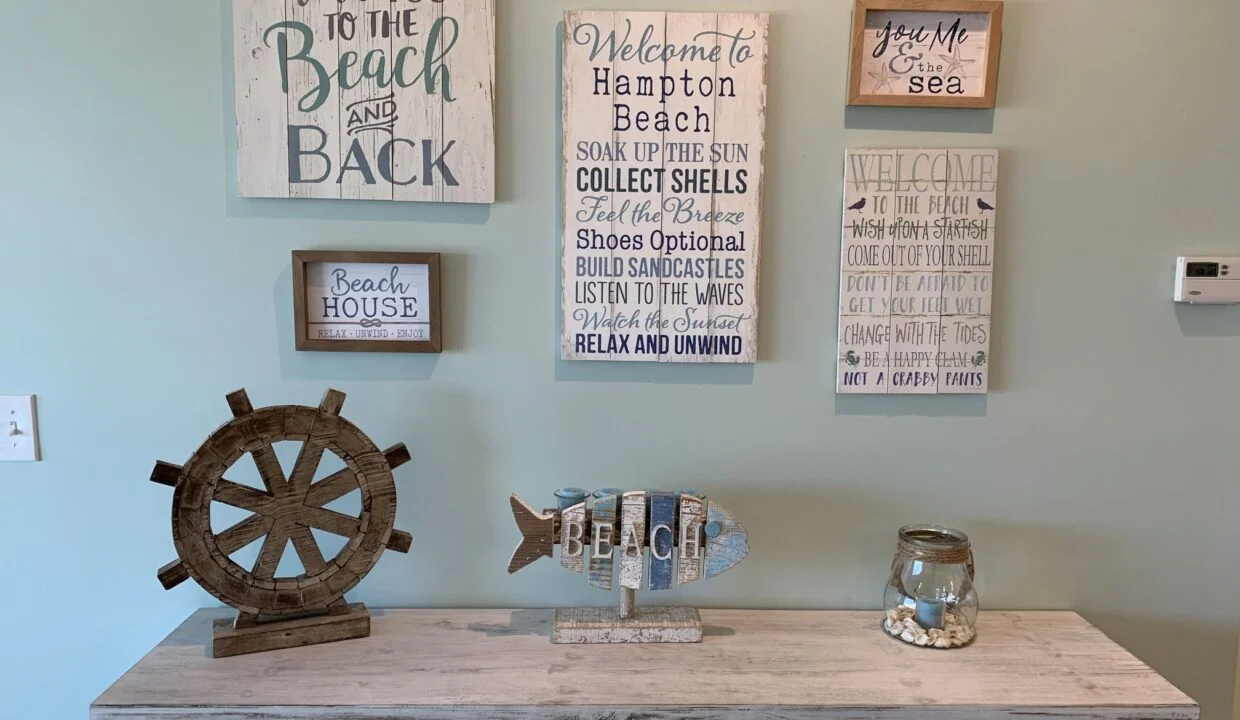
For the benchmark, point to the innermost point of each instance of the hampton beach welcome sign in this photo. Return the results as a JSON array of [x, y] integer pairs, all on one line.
[[664, 117], [366, 100]]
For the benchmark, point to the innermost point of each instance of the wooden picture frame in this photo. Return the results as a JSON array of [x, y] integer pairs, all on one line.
[[367, 310], [884, 81]]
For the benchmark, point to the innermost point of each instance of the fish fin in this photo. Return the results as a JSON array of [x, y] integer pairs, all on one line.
[[537, 534]]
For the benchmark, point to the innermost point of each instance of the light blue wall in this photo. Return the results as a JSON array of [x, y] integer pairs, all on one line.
[[1099, 475]]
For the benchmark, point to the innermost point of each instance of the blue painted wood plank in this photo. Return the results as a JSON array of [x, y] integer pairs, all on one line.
[[662, 539]]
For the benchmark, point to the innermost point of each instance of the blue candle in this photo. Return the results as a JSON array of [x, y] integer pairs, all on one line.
[[931, 614], [568, 497]]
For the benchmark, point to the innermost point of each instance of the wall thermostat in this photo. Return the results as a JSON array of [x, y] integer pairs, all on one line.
[[1207, 280]]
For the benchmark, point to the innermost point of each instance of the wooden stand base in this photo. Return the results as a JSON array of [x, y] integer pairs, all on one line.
[[604, 625], [231, 640]]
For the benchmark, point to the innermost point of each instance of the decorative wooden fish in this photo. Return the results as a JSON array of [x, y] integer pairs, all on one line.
[[688, 538]]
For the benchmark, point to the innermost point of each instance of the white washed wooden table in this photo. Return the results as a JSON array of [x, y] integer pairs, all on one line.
[[483, 664]]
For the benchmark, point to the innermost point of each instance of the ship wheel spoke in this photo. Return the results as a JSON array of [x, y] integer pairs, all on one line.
[[304, 469], [311, 454], [243, 533], [330, 521], [342, 482], [240, 496], [273, 549], [269, 470], [264, 457], [331, 488], [307, 549]]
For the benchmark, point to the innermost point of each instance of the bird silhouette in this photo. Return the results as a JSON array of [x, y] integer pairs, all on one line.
[[860, 204], [983, 205]]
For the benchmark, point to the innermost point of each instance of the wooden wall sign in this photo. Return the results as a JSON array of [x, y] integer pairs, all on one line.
[[276, 612], [664, 117], [917, 271], [367, 301], [652, 536], [361, 100], [930, 53]]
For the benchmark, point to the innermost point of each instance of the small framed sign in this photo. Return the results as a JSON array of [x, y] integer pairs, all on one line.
[[367, 301], [928, 53]]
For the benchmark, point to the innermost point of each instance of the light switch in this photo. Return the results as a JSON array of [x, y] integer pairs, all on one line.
[[19, 429]]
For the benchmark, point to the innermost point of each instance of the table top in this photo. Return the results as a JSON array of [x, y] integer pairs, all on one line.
[[793, 664]]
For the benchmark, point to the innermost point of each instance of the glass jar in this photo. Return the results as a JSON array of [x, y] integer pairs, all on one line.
[[930, 600]]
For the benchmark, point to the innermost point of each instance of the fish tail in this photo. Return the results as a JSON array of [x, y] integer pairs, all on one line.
[[537, 534]]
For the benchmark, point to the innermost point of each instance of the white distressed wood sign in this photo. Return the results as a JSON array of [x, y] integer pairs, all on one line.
[[357, 100], [664, 117], [917, 271]]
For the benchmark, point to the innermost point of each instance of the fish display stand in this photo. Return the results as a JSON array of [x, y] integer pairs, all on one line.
[[282, 612], [686, 538], [587, 626]]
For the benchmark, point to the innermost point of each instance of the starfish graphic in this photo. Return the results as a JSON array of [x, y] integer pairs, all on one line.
[[955, 63], [882, 79]]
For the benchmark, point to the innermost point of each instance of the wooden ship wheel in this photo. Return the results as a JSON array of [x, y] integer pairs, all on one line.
[[279, 612]]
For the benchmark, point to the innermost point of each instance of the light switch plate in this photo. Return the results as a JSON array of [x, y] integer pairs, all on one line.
[[19, 429]]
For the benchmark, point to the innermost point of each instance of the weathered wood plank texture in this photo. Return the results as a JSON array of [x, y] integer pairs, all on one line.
[[632, 539], [280, 635], [614, 712], [262, 146], [573, 538], [474, 664], [537, 534], [726, 541], [603, 550], [360, 101], [689, 552], [605, 625]]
